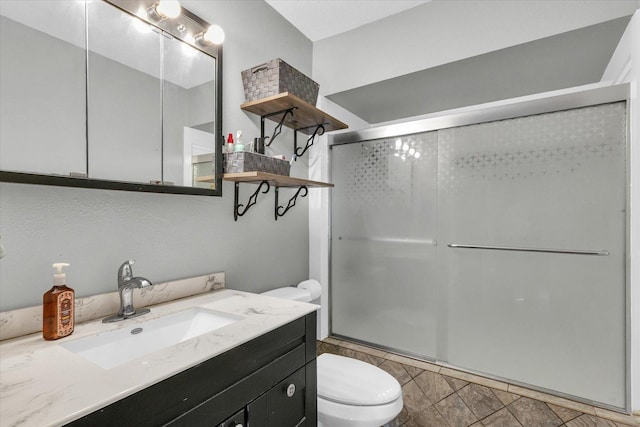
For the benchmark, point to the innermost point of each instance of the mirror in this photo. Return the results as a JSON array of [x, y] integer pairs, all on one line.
[[42, 87], [189, 129], [124, 96], [93, 96]]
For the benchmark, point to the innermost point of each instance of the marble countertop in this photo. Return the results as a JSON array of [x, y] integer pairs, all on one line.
[[43, 384]]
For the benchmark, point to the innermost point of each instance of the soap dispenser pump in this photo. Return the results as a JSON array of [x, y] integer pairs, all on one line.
[[58, 308]]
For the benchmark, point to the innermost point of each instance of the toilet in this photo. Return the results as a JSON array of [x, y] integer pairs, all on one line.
[[351, 393]]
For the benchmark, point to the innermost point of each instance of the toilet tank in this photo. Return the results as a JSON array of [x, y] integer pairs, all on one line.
[[296, 294], [290, 293]]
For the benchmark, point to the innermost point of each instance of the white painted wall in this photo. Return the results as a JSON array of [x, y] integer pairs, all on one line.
[[170, 236], [625, 68], [320, 208]]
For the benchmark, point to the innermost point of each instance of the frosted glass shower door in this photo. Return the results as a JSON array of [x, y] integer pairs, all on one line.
[[382, 244], [550, 319]]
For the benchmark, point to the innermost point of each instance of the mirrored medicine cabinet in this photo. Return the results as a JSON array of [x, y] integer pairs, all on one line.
[[111, 95]]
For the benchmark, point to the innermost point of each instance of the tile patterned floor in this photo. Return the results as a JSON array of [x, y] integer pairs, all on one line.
[[435, 396]]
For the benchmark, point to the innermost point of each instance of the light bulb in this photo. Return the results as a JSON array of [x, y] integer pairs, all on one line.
[[417, 155], [405, 147], [412, 151], [215, 34], [168, 8], [398, 144]]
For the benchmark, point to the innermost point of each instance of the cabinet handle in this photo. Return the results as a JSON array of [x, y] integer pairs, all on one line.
[[291, 390], [257, 70]]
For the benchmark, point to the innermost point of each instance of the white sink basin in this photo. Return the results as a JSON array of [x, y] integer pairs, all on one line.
[[113, 348]]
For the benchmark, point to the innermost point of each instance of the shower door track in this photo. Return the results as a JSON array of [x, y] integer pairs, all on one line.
[[519, 107]]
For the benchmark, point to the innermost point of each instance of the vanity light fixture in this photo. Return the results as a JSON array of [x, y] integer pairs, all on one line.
[[164, 9], [214, 35], [170, 17]]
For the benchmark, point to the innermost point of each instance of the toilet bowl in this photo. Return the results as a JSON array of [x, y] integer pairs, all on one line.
[[351, 393]]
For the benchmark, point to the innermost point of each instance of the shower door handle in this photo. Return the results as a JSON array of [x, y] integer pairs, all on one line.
[[521, 249]]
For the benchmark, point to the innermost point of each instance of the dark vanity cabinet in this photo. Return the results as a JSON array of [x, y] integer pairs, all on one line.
[[269, 381]]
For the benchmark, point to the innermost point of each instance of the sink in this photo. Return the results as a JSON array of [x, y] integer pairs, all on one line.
[[113, 348]]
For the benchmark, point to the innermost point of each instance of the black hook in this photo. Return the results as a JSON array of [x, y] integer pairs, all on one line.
[[292, 201], [253, 199], [317, 132], [278, 128]]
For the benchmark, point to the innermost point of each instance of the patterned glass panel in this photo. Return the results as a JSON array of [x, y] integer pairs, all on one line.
[[556, 321], [383, 253]]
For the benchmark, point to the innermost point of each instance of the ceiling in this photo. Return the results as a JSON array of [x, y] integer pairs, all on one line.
[[319, 19]]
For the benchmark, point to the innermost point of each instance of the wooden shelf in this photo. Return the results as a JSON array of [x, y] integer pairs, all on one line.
[[295, 113], [206, 178], [305, 116], [273, 179]]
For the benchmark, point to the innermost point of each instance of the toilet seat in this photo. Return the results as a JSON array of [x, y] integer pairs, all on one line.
[[332, 414], [352, 382]]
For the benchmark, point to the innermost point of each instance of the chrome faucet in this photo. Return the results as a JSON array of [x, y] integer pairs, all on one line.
[[126, 284]]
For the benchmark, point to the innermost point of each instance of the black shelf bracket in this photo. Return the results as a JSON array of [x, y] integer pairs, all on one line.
[[278, 128], [240, 209], [299, 152], [281, 210]]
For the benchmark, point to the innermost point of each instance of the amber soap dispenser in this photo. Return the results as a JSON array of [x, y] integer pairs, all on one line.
[[58, 307]]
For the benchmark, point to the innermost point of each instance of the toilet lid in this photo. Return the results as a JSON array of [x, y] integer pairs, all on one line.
[[351, 381]]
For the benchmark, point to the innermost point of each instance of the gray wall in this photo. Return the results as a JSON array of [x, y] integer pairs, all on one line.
[[170, 236], [440, 32]]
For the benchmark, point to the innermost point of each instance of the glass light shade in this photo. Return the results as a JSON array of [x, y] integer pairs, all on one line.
[[168, 8], [215, 34]]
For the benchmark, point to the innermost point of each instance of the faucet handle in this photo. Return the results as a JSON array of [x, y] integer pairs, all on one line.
[[125, 272]]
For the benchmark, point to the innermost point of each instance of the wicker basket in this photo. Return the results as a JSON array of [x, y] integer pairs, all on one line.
[[247, 161], [276, 76]]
